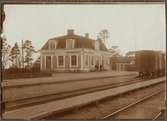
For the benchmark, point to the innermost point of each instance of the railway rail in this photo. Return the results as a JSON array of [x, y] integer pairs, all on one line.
[[62, 95], [100, 108], [133, 104], [35, 112], [7, 84], [160, 114], [157, 116]]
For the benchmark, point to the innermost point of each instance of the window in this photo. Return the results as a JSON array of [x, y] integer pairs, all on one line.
[[73, 60], [52, 44], [60, 60], [70, 43], [55, 44], [92, 60], [108, 60], [86, 60], [48, 62], [97, 60]]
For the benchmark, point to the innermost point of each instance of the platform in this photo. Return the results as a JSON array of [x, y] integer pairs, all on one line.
[[42, 110], [61, 77]]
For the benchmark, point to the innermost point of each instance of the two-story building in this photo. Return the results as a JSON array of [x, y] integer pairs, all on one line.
[[72, 52]]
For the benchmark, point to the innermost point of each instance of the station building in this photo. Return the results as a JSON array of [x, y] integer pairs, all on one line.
[[73, 52]]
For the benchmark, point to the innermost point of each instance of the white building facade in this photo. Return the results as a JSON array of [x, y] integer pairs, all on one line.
[[73, 53]]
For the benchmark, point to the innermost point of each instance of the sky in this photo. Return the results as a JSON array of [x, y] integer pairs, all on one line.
[[131, 26]]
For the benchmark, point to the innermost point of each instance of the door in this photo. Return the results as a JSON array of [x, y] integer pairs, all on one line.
[[48, 63]]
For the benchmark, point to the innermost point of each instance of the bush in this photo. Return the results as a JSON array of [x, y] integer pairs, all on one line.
[[18, 73], [26, 75], [21, 70]]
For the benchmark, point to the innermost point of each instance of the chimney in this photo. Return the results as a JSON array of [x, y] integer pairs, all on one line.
[[87, 35], [70, 32]]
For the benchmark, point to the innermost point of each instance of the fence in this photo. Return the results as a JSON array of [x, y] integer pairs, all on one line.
[[17, 73]]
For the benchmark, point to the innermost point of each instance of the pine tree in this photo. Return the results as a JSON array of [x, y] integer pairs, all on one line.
[[5, 52], [15, 56], [29, 50]]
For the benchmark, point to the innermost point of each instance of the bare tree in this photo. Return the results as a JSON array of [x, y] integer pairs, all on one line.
[[104, 35], [5, 52]]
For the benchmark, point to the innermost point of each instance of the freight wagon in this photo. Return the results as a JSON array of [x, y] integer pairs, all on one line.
[[150, 63]]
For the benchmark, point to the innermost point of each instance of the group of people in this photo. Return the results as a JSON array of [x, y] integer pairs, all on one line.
[[99, 67], [148, 74]]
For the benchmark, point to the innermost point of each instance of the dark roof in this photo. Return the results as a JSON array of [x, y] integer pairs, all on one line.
[[80, 42], [148, 52]]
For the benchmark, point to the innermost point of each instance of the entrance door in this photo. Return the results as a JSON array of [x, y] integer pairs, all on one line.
[[48, 63]]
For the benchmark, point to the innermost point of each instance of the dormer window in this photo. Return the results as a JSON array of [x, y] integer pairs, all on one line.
[[55, 44], [52, 44], [70, 43]]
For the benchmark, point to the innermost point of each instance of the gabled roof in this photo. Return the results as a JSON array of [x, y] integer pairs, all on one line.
[[80, 42]]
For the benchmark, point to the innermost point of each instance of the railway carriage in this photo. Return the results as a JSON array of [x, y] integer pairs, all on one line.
[[150, 63]]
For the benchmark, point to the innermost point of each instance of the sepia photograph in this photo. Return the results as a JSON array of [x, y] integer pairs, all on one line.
[[84, 61]]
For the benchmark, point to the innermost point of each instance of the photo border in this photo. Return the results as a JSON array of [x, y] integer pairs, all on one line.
[[2, 18]]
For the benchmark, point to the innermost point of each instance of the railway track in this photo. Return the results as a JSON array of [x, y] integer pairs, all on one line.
[[62, 95], [109, 116], [74, 102], [159, 115], [6, 84]]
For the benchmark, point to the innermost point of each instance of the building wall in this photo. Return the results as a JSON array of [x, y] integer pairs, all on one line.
[[96, 57], [54, 62], [86, 59]]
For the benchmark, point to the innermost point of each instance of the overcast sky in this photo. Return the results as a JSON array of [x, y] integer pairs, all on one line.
[[131, 27]]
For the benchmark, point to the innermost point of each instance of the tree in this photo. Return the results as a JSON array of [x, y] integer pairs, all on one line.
[[104, 35], [15, 56], [29, 50], [5, 52]]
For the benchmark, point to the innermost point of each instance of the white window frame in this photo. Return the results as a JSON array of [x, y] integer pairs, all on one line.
[[58, 61], [76, 61], [68, 41], [52, 44], [55, 44]]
